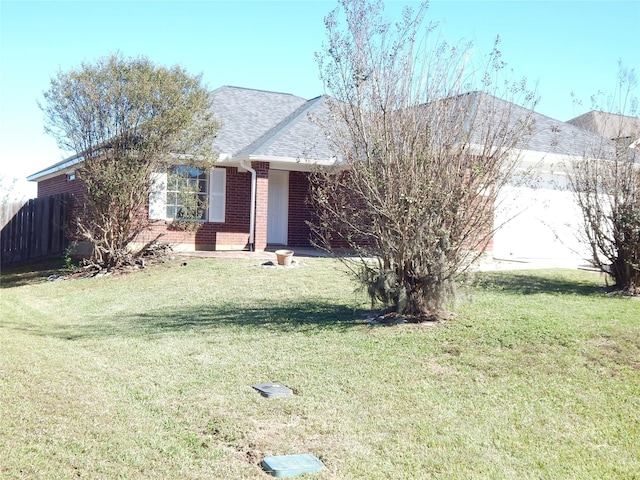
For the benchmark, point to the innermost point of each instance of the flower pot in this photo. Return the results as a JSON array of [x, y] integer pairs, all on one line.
[[284, 257]]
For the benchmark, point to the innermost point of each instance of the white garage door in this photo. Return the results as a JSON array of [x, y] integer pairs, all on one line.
[[542, 223]]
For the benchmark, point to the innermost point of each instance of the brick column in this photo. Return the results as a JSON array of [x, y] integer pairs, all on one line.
[[262, 202]]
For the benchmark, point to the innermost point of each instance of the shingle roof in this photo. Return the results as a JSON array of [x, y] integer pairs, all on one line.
[[278, 125], [608, 125], [554, 136], [296, 136], [548, 135], [248, 114]]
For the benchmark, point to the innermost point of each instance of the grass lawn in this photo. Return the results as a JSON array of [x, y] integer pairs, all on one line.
[[149, 376]]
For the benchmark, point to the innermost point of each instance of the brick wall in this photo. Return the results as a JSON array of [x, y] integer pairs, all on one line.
[[299, 210], [60, 184], [232, 234], [76, 190], [262, 197]]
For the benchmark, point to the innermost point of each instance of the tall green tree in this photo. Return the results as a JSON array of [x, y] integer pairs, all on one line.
[[425, 139], [126, 118]]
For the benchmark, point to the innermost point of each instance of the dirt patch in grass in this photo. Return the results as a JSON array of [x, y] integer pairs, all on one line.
[[613, 354]]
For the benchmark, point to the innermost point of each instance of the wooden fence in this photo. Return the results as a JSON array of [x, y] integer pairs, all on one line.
[[36, 230]]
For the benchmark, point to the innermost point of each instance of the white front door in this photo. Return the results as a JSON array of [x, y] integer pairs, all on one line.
[[278, 207]]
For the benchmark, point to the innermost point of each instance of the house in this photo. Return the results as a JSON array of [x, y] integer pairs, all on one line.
[[541, 219], [623, 129], [268, 145], [257, 191], [546, 220]]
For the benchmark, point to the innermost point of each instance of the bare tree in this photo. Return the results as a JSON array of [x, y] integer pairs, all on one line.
[[424, 140], [7, 189], [126, 118], [606, 183]]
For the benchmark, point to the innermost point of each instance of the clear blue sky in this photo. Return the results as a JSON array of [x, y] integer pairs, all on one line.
[[565, 46]]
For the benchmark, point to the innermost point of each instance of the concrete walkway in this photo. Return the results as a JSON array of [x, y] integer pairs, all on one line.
[[269, 254], [493, 264], [487, 264]]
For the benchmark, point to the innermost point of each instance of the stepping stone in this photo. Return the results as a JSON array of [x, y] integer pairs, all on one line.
[[291, 465], [273, 390]]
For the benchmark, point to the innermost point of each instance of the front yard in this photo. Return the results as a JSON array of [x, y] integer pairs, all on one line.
[[149, 376]]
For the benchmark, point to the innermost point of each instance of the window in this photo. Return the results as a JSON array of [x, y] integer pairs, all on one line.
[[186, 193]]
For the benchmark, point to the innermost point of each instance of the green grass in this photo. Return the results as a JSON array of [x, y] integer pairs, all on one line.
[[149, 376]]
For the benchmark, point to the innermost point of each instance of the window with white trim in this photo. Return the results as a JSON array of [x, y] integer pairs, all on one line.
[[188, 193]]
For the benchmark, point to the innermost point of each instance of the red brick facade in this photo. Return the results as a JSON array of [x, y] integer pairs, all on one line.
[[262, 195], [61, 184], [65, 184], [233, 234], [299, 210]]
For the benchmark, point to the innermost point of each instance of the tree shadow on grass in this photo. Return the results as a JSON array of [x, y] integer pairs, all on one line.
[[554, 283], [33, 273], [309, 317]]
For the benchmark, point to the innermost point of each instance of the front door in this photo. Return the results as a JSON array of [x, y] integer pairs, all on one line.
[[278, 207]]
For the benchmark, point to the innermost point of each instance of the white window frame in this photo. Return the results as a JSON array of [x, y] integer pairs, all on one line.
[[203, 193], [216, 203]]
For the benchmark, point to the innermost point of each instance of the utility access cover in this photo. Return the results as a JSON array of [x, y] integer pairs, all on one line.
[[291, 465], [273, 390]]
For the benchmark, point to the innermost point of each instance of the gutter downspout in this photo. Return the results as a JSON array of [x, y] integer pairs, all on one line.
[[252, 215]]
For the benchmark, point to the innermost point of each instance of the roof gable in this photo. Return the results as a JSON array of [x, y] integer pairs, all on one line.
[[296, 136], [246, 115], [608, 125]]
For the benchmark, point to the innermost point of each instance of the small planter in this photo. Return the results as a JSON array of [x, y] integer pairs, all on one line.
[[284, 257]]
